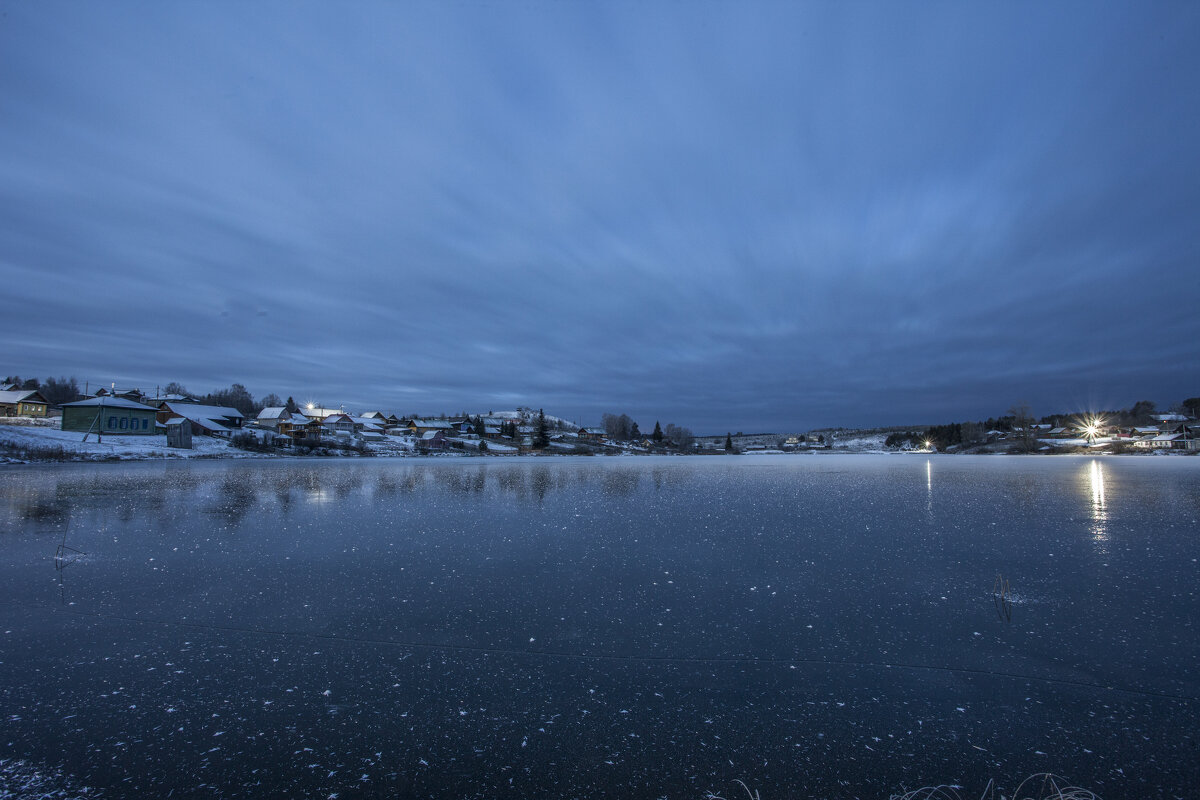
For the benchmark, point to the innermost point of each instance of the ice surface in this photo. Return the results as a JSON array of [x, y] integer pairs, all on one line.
[[820, 626]]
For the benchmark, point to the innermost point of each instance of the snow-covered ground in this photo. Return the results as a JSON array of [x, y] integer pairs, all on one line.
[[858, 442], [40, 441]]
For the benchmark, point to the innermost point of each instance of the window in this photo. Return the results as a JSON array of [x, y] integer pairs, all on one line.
[[124, 423], [112, 422]]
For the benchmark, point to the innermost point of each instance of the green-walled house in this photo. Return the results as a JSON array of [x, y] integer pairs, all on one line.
[[110, 415]]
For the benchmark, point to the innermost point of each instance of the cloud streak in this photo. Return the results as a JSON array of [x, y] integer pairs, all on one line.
[[780, 218]]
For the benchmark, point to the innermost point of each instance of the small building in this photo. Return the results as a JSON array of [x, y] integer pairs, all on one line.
[[432, 440], [109, 415], [179, 433], [592, 434], [22, 403]]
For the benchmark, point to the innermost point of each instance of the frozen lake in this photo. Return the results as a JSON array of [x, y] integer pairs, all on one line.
[[818, 626]]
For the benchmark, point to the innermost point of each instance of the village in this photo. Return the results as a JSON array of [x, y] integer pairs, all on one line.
[[128, 422]]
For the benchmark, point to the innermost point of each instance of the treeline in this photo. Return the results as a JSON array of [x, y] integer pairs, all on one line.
[[56, 390], [622, 428]]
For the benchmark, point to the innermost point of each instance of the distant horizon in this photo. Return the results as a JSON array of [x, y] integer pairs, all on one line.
[[645, 422], [790, 216]]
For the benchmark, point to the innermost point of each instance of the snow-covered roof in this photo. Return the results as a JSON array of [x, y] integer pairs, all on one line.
[[374, 415], [432, 423], [1166, 437], [196, 412], [275, 412], [16, 396], [211, 425], [108, 402], [431, 434], [593, 431], [336, 418], [319, 413]]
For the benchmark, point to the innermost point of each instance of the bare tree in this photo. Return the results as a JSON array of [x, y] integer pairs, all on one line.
[[678, 436], [60, 390], [619, 428], [1023, 420]]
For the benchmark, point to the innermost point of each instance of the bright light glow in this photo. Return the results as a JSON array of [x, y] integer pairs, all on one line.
[[311, 406], [928, 445], [1090, 426]]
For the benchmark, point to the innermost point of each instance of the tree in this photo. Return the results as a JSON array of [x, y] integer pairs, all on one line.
[[1191, 406], [618, 427], [678, 436], [1142, 410], [271, 401], [634, 433], [728, 443], [60, 390], [291, 406], [658, 434], [235, 396], [1022, 425], [540, 436], [31, 385], [480, 429], [174, 387]]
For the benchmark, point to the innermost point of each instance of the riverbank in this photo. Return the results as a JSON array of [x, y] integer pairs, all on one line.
[[36, 441]]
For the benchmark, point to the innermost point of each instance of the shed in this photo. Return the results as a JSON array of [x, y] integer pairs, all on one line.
[[179, 433]]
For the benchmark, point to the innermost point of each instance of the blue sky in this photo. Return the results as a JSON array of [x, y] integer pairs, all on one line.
[[729, 216]]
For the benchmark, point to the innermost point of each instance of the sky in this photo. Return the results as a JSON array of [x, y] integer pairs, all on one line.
[[730, 216]]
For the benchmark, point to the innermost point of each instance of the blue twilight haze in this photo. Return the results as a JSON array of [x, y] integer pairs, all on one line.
[[731, 216]]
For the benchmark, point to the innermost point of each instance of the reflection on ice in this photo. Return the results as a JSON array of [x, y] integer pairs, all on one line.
[[1099, 506]]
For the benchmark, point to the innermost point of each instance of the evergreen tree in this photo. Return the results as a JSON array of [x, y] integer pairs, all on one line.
[[658, 434], [634, 433], [728, 443], [479, 427], [540, 436], [291, 406]]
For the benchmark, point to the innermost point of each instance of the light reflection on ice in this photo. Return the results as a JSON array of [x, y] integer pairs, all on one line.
[[1099, 507]]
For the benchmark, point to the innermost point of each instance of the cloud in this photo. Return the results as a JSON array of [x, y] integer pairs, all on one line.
[[782, 218]]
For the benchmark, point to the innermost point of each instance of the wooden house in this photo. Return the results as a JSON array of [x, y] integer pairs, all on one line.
[[23, 403], [109, 415]]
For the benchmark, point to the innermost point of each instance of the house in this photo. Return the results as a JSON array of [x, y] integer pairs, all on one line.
[[316, 412], [135, 395], [1163, 441], [338, 424], [592, 434], [375, 426], [157, 402], [22, 403], [422, 426], [433, 440], [273, 417], [206, 420], [111, 415]]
